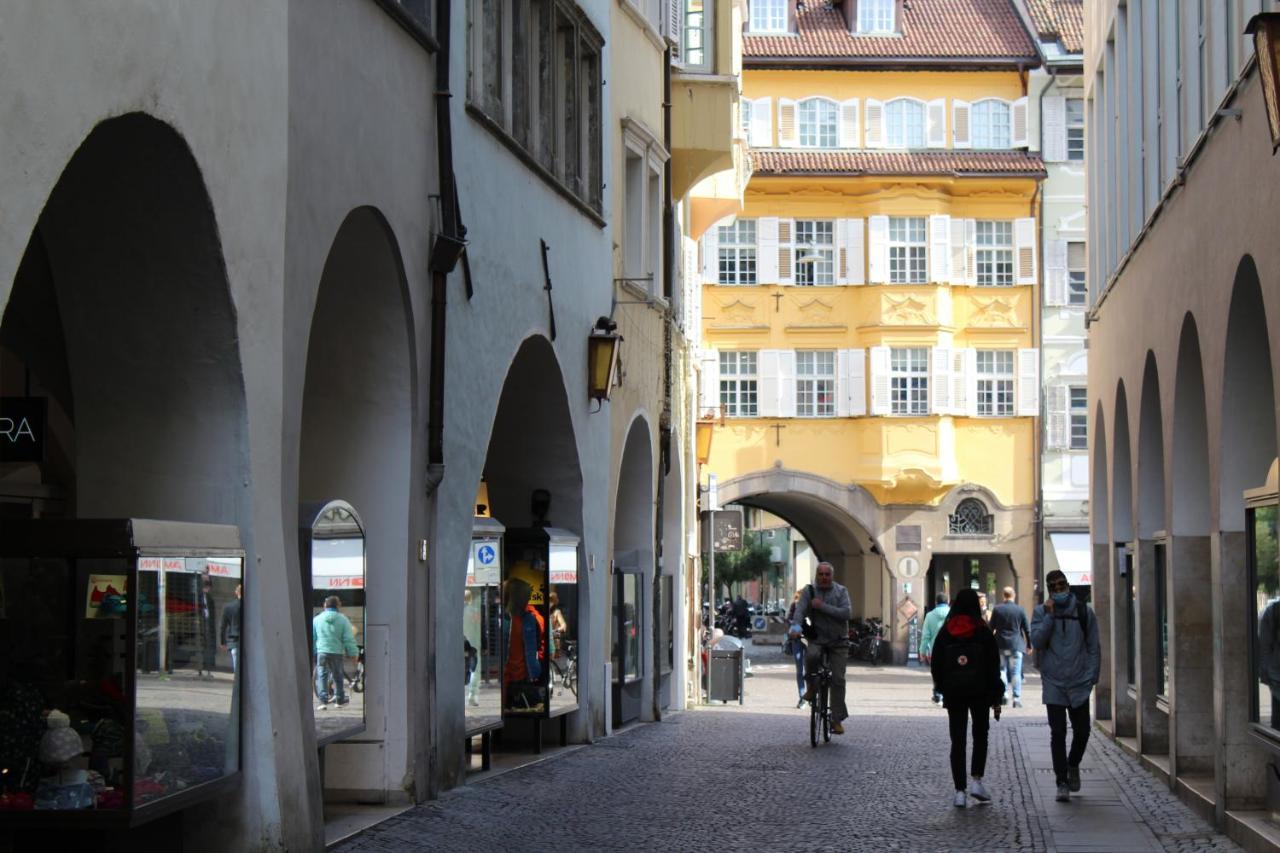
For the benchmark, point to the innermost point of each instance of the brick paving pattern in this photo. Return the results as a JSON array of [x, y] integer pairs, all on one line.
[[745, 779]]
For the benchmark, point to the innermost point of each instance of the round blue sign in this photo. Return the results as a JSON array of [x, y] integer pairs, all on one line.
[[486, 555]]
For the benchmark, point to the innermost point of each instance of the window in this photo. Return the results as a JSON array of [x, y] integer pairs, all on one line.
[[904, 124], [534, 75], [995, 383], [971, 519], [744, 113], [909, 381], [1075, 129], [995, 253], [815, 252], [990, 123], [738, 252], [1077, 292], [817, 123], [1162, 621], [642, 206], [875, 16], [738, 384], [815, 383], [908, 250], [1264, 610], [1079, 413], [768, 16], [693, 32]]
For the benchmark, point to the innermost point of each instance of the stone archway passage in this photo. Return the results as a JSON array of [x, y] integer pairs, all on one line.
[[1103, 551], [1151, 567], [631, 634], [1124, 615]]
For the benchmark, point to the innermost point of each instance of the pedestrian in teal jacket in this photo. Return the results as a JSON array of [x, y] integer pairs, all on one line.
[[932, 622], [333, 636]]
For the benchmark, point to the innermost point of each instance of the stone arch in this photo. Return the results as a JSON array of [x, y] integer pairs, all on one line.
[[1191, 507], [1103, 551], [1121, 470], [1151, 492], [634, 567], [1123, 587], [1099, 500]]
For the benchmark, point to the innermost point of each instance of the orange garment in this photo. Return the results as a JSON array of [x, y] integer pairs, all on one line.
[[516, 668]]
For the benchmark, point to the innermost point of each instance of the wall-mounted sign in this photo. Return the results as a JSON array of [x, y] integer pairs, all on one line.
[[909, 537], [22, 428], [722, 531]]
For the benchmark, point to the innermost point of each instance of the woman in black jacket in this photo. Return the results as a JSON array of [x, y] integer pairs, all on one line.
[[966, 671]]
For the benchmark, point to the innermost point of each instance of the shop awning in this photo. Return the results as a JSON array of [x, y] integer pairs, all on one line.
[[1074, 557]]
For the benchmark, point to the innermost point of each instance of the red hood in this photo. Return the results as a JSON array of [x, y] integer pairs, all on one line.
[[961, 626]]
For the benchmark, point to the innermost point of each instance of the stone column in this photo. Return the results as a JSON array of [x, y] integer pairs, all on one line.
[[1102, 609], [1123, 705], [1153, 720], [1190, 657]]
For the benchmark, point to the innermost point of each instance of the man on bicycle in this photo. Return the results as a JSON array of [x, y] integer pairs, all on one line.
[[826, 604]]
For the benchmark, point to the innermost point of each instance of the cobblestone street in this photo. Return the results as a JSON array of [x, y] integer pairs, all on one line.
[[745, 778]]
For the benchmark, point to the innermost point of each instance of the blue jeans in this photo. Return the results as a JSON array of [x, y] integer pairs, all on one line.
[[329, 667], [1011, 672], [798, 654]]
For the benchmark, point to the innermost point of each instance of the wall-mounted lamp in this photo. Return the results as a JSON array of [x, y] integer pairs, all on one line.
[[703, 432], [1265, 29], [604, 345]]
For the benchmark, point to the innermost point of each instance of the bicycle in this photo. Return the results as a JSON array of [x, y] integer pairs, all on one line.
[[820, 706], [567, 675]]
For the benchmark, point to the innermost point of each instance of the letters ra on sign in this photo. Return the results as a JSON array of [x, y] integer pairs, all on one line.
[[22, 428]]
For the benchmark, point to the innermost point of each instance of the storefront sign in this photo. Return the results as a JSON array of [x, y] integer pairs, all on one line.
[[22, 428], [724, 529], [564, 564]]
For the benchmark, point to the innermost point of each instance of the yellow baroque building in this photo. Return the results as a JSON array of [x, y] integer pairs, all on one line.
[[869, 319]]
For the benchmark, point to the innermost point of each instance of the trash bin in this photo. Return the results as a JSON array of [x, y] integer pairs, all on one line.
[[725, 675]]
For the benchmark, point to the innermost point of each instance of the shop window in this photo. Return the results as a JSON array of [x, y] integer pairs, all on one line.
[[540, 617], [1264, 607], [737, 252], [909, 380], [817, 123], [1075, 129], [995, 253], [483, 650], [908, 250], [1162, 620], [990, 123], [1124, 556], [904, 123], [971, 519], [85, 732], [667, 634], [768, 16], [815, 252], [628, 630], [1077, 288], [738, 384], [815, 383], [995, 382]]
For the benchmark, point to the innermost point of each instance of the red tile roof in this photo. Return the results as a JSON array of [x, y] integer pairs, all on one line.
[[1059, 20], [844, 162], [931, 29]]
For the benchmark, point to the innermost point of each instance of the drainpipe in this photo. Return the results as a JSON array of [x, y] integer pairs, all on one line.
[[664, 422], [448, 247]]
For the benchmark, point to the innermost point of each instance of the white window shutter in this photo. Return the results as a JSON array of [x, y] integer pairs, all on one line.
[[940, 248], [849, 124], [709, 390], [788, 132], [1053, 132], [674, 29], [1056, 433], [855, 260], [768, 383], [936, 123], [842, 256], [711, 255], [857, 384], [786, 383], [960, 381], [1024, 247], [1055, 272], [878, 249], [843, 369], [761, 134], [960, 114], [875, 123], [959, 252], [940, 382], [971, 254], [786, 236], [1028, 382], [767, 250], [1018, 121], [880, 403]]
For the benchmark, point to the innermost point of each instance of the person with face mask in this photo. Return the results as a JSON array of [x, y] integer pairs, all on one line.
[[1064, 632]]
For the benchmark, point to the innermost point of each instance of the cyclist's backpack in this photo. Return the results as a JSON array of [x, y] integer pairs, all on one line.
[[962, 667], [807, 629]]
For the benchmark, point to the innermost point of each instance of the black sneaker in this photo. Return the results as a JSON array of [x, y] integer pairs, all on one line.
[[1073, 778], [344, 701], [1064, 793]]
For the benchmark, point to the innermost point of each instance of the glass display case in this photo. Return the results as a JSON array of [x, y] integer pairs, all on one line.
[[540, 619], [482, 628], [119, 676], [1263, 518], [331, 541], [628, 633]]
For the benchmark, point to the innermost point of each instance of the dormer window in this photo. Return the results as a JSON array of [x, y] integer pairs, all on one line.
[[875, 17], [768, 16]]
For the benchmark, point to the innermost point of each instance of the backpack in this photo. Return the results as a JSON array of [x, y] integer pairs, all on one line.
[[962, 667], [807, 629]]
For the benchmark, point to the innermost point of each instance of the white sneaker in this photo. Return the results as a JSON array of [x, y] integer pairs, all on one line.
[[979, 792], [322, 707], [961, 800]]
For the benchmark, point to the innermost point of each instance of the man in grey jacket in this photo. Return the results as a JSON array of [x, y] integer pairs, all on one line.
[[1064, 632], [826, 603]]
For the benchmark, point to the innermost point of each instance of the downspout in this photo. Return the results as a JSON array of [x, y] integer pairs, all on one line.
[[664, 422], [448, 247]]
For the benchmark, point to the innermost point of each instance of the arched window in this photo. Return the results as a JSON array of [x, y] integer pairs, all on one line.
[[971, 519], [991, 124], [817, 123], [904, 123]]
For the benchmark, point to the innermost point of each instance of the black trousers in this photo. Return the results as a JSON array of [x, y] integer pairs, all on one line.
[[958, 715], [1058, 715]]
